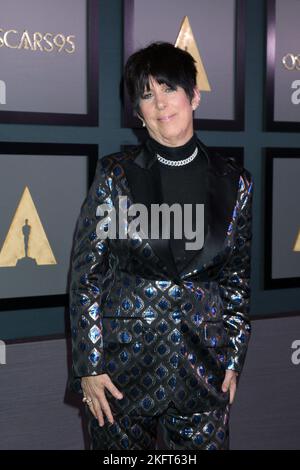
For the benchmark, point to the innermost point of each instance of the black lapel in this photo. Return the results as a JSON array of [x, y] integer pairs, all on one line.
[[144, 182], [222, 187], [222, 192]]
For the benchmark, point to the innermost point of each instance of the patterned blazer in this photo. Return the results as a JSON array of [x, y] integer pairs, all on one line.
[[162, 334]]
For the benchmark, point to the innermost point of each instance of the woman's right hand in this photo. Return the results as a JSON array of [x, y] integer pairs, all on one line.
[[94, 389]]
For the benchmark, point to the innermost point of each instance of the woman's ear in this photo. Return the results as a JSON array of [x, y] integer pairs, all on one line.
[[196, 99]]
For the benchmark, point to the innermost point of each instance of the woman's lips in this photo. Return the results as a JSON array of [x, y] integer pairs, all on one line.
[[166, 118]]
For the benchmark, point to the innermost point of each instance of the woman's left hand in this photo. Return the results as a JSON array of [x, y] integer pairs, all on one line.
[[230, 383]]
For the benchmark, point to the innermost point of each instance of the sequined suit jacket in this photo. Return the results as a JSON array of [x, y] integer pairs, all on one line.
[[162, 335]]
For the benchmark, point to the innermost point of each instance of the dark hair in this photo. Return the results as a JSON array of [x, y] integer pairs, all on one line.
[[164, 62]]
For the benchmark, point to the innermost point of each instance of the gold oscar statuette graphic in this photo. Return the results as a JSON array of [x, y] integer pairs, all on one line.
[[26, 242], [186, 41], [297, 243]]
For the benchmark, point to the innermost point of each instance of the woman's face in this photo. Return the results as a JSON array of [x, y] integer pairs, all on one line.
[[168, 113]]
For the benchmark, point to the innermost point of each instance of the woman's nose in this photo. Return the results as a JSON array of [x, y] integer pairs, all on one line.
[[160, 102]]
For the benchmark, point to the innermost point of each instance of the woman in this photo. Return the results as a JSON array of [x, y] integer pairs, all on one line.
[[160, 331]]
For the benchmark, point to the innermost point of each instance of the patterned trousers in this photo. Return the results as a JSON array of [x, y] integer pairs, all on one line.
[[169, 430]]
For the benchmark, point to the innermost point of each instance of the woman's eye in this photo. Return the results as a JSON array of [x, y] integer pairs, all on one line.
[[169, 89], [147, 96]]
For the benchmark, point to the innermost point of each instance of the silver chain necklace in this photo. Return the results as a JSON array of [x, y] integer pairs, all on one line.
[[185, 161]]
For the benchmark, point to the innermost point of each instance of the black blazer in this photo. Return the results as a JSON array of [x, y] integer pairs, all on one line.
[[161, 334]]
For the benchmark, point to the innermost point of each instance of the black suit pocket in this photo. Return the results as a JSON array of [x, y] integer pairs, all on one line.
[[209, 334], [214, 335]]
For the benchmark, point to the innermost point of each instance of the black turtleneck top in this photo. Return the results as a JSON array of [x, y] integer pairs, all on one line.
[[184, 184]]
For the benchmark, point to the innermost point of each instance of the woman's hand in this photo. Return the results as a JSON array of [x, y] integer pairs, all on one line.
[[94, 389], [230, 382]]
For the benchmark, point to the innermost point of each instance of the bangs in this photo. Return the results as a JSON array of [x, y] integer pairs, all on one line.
[[164, 73], [144, 83]]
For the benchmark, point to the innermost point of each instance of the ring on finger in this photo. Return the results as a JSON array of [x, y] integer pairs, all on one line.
[[86, 400]]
